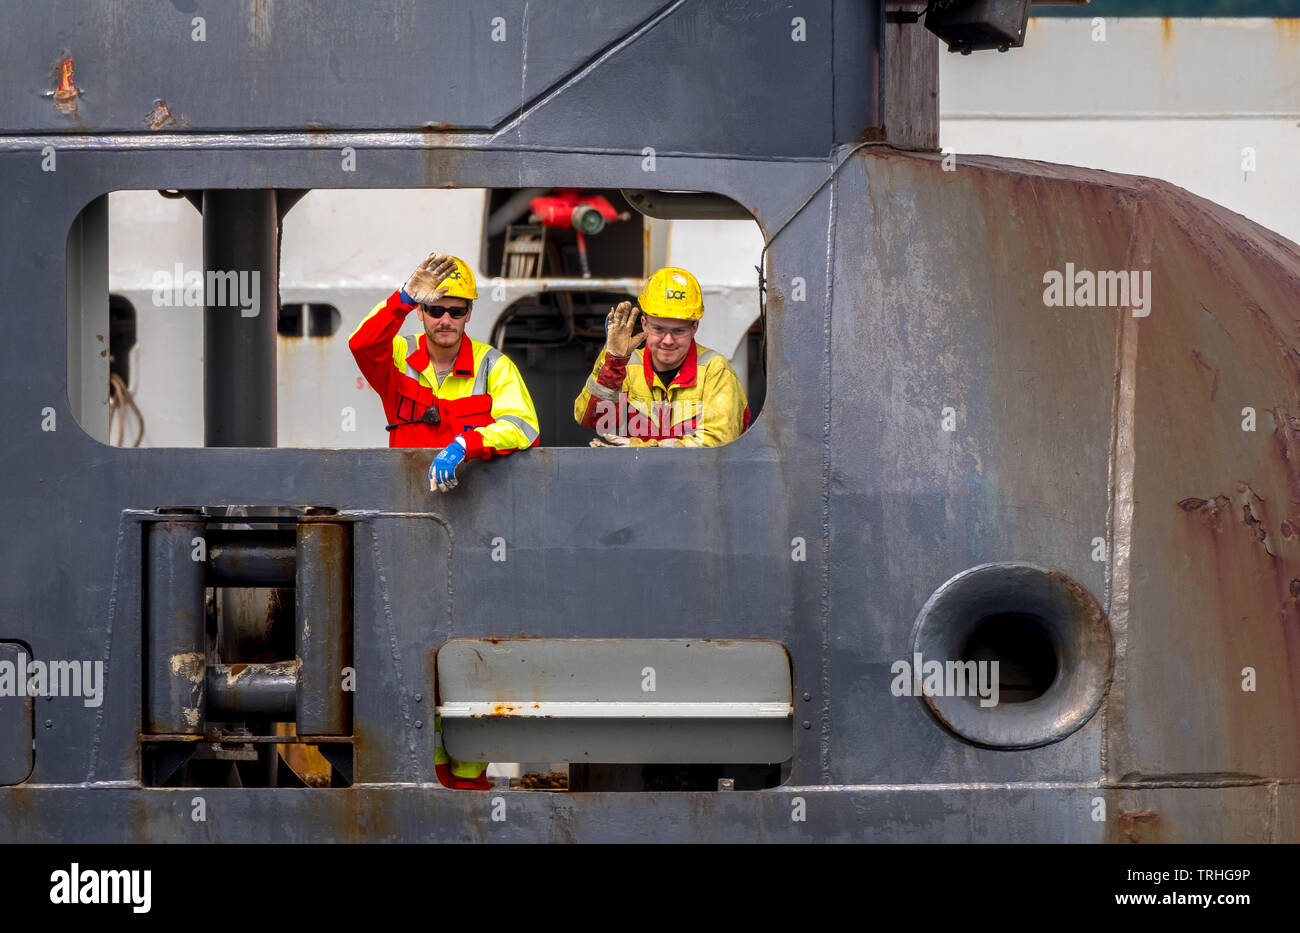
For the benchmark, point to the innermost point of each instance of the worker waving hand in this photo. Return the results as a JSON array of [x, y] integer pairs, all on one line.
[[672, 393], [439, 387]]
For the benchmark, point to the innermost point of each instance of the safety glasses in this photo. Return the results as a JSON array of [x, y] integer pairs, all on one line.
[[436, 312]]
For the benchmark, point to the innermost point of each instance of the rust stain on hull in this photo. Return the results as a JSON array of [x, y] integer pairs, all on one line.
[[1139, 825], [66, 94]]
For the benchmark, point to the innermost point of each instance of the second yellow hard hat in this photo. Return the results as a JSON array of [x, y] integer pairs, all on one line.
[[672, 292]]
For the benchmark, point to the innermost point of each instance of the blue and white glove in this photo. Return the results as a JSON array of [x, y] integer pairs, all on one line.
[[442, 472]]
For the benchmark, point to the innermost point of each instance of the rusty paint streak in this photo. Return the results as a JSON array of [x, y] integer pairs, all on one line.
[[1131, 822], [1214, 384], [1212, 510], [160, 116], [1288, 28], [1254, 517], [65, 96]]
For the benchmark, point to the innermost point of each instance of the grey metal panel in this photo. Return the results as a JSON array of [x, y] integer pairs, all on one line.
[[911, 299], [402, 612], [592, 672], [1024, 813], [484, 508], [938, 304], [668, 79], [334, 63], [87, 355], [406, 65], [633, 741], [16, 725], [612, 669]]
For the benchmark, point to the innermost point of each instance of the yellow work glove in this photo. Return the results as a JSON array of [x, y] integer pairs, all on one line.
[[618, 330], [618, 440], [424, 287], [610, 440]]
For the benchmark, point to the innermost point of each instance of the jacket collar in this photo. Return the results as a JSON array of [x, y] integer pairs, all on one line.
[[685, 376], [464, 365]]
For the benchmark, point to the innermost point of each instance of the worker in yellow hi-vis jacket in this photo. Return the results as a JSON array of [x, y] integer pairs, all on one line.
[[672, 393]]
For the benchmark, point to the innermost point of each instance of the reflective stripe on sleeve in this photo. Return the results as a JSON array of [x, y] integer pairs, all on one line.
[[604, 393], [522, 425]]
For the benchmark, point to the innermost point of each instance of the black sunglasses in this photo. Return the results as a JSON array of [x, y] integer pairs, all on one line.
[[436, 312]]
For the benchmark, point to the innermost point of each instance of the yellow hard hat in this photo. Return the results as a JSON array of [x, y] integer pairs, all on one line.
[[460, 283], [672, 292]]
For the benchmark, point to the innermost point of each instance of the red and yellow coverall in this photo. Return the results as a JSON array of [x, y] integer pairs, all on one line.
[[704, 406], [483, 397]]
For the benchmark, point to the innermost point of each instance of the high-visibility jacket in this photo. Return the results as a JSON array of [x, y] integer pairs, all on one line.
[[704, 406], [483, 397], [464, 775]]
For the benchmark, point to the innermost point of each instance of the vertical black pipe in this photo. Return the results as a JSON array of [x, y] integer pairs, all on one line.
[[241, 305], [177, 664]]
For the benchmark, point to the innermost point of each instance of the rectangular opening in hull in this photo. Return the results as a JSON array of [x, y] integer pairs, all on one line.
[[602, 703]]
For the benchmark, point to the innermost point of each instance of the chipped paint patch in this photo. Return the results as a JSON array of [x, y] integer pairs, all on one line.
[[160, 116], [65, 96], [189, 665]]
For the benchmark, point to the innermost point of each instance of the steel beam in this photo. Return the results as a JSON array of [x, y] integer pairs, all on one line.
[[324, 628], [175, 659], [241, 293]]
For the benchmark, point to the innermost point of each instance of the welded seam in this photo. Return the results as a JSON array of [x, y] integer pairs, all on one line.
[[1122, 466], [403, 706], [1109, 569], [523, 89], [1271, 824], [826, 491], [98, 740], [368, 515], [830, 177], [1158, 783], [360, 139], [602, 56], [739, 794]]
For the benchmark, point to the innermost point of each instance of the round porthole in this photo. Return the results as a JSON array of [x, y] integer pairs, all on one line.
[[1011, 655]]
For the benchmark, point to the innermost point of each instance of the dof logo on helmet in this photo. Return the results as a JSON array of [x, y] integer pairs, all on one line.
[[673, 293]]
